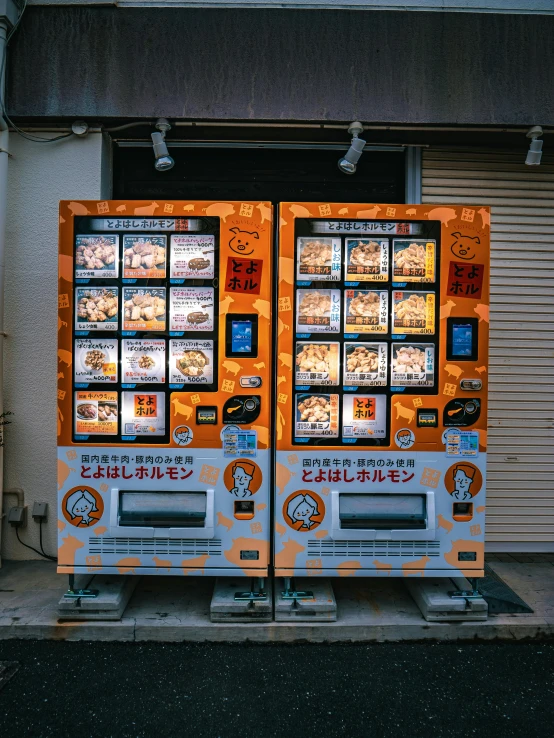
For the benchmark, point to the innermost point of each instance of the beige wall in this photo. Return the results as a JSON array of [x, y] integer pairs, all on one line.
[[40, 175]]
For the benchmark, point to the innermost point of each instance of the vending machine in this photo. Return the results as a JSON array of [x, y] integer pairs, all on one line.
[[381, 413], [164, 362]]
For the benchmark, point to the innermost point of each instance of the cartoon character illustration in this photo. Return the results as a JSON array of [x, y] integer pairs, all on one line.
[[79, 505], [242, 241], [463, 479], [464, 246], [243, 474], [303, 508], [405, 438]]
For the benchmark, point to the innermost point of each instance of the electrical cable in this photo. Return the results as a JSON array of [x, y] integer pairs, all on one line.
[[23, 134], [51, 558]]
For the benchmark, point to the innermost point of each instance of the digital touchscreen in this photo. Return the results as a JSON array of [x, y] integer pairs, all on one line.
[[462, 339], [241, 336]]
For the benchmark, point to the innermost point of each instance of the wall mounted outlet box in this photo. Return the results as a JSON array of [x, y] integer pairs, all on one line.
[[39, 511], [17, 516]]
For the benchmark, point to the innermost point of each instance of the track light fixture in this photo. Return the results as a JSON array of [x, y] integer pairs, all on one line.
[[161, 154], [535, 147], [348, 162]]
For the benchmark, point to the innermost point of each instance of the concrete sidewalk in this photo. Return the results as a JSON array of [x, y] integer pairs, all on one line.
[[178, 609]]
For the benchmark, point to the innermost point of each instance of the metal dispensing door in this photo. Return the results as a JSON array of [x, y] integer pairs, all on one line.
[[164, 412], [381, 414]]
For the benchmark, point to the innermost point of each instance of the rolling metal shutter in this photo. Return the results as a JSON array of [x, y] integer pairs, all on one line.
[[520, 477]]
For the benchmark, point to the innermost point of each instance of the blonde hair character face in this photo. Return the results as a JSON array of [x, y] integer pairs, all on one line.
[[301, 509], [243, 474], [463, 479], [80, 504]]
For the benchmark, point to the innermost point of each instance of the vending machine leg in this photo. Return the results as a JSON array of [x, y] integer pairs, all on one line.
[[75, 594], [257, 590], [467, 594], [290, 592]]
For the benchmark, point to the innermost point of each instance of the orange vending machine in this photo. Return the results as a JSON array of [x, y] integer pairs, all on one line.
[[381, 413], [163, 387]]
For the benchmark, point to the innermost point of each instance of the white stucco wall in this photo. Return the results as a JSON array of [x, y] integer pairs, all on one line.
[[39, 176]]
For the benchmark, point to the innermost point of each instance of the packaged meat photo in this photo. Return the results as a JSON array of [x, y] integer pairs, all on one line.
[[317, 363], [317, 415], [414, 260], [144, 257], [96, 308], [144, 308], [365, 364], [366, 311], [192, 309], [413, 312], [143, 360], [318, 311], [95, 360], [192, 257], [95, 413], [318, 258], [191, 362], [143, 414], [96, 256], [367, 260], [413, 365], [364, 416]]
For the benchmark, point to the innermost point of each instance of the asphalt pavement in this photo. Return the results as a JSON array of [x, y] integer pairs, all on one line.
[[135, 690]]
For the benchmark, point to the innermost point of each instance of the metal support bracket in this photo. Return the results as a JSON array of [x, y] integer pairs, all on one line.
[[77, 594], [467, 594], [291, 593], [257, 591]]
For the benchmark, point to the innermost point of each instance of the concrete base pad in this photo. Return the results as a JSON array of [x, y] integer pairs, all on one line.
[[432, 598], [224, 608], [114, 592], [321, 607]]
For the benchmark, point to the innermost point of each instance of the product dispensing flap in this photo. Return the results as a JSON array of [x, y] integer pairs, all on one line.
[[382, 511], [162, 509]]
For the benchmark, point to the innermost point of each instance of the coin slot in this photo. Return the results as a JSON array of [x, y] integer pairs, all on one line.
[[244, 509], [462, 512]]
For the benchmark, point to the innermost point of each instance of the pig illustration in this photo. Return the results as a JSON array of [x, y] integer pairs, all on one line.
[[263, 435], [225, 304], [445, 215], [121, 208], [442, 522], [371, 213], [283, 476], [147, 209], [282, 326], [460, 545], [181, 409], [299, 211], [220, 209], [65, 357], [77, 208], [260, 365], [196, 564], [348, 568], [63, 472], [404, 412], [453, 371], [265, 212], [380, 566], [485, 217], [415, 568], [282, 222], [286, 360], [162, 563], [188, 208], [128, 565], [286, 557], [65, 267], [243, 242], [225, 522], [248, 544], [481, 369], [447, 309], [483, 312], [231, 367], [286, 269], [464, 246], [100, 530], [280, 380], [321, 533], [263, 307], [411, 211], [61, 322], [260, 507], [66, 552], [343, 211], [281, 530]]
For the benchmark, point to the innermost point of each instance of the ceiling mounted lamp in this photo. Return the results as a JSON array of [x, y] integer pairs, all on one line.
[[347, 163], [535, 147], [163, 162]]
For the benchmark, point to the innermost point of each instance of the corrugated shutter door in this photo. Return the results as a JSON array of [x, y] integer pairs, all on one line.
[[520, 478]]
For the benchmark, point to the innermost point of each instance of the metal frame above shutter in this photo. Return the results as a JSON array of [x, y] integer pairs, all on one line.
[[520, 477]]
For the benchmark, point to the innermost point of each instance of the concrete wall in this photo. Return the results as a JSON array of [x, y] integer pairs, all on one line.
[[40, 175]]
